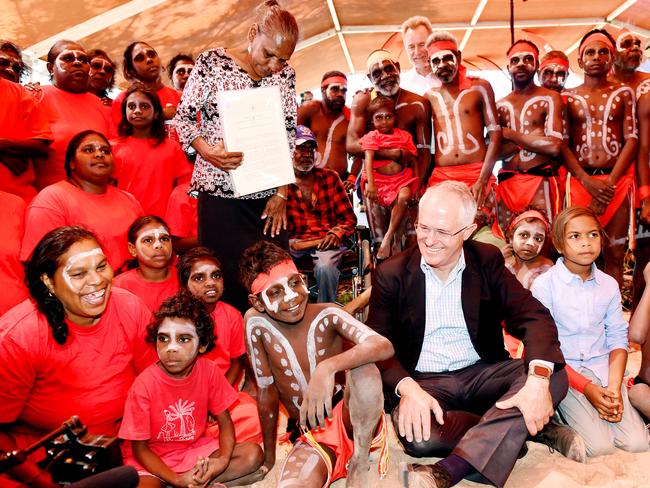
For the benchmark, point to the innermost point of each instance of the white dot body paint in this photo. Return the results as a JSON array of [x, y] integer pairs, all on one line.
[[174, 329], [155, 234], [94, 257]]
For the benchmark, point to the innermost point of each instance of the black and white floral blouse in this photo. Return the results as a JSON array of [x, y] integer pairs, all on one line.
[[214, 72]]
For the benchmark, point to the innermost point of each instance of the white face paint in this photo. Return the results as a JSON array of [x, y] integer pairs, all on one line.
[[274, 304], [152, 237], [175, 330], [439, 57], [520, 56], [621, 40], [87, 259]]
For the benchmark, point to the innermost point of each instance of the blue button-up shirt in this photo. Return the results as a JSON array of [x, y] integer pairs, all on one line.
[[588, 314]]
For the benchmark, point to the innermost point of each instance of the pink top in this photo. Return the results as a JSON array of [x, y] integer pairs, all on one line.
[[21, 118], [68, 114], [399, 139], [108, 215], [12, 215], [172, 413], [150, 292], [181, 215], [44, 383], [149, 172], [229, 329]]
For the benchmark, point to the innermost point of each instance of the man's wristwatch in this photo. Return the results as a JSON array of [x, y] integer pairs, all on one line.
[[539, 371]]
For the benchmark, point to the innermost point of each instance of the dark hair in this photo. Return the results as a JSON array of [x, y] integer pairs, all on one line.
[[132, 237], [523, 41], [10, 46], [56, 49], [333, 73], [125, 128], [128, 69], [74, 144], [567, 215], [381, 102], [272, 18], [596, 31], [554, 54], [99, 53], [175, 60], [184, 305], [45, 260], [187, 260], [260, 258]]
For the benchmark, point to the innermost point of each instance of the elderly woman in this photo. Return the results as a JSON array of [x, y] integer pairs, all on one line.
[[102, 74], [85, 198], [227, 224], [68, 106], [73, 349], [142, 64]]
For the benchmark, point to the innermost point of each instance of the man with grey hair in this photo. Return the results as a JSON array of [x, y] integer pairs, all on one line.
[[451, 387], [462, 108], [415, 31]]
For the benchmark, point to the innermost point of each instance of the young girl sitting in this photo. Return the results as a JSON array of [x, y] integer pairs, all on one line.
[[147, 163], [526, 235], [168, 405], [199, 272], [586, 306], [388, 183], [153, 279]]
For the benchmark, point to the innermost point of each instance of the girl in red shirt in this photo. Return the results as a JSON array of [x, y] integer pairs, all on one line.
[[147, 163], [199, 272], [152, 278]]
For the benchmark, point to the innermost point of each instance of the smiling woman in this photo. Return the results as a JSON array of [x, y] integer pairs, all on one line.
[[85, 194], [73, 349]]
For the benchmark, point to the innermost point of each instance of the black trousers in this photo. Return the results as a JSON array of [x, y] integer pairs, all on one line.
[[228, 226], [488, 438]]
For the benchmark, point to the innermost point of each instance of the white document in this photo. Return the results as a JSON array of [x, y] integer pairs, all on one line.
[[253, 124]]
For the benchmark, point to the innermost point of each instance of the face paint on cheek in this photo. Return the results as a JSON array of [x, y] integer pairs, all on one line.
[[436, 60], [289, 294], [174, 330], [94, 256], [154, 234]]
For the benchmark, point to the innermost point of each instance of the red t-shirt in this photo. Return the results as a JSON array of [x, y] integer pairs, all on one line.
[[181, 215], [20, 119], [167, 95], [150, 292], [108, 215], [44, 383], [229, 329], [149, 172], [398, 139], [12, 216], [68, 114], [172, 413]]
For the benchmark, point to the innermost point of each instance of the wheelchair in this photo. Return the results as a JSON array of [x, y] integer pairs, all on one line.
[[355, 269]]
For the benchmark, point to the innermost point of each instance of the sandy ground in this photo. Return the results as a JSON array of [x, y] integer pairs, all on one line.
[[538, 469]]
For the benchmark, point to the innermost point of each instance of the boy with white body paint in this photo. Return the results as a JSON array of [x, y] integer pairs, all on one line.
[[153, 279], [167, 408], [296, 349], [531, 121]]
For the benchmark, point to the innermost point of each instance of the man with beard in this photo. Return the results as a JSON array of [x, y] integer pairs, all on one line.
[[627, 61], [328, 119], [553, 70], [413, 115], [531, 121], [415, 31], [603, 142], [319, 215], [461, 152]]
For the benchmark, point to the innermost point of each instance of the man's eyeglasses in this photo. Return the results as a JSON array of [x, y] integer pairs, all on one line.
[[442, 235]]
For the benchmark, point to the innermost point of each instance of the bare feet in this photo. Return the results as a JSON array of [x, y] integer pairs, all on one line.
[[385, 248]]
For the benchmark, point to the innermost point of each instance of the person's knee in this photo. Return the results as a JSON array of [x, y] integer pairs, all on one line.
[[365, 383], [435, 446], [600, 446], [634, 441], [251, 455]]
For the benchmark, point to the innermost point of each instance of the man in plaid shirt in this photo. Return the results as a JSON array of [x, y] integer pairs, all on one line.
[[319, 215]]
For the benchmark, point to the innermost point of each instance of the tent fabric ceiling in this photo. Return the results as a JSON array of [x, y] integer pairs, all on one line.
[[173, 26]]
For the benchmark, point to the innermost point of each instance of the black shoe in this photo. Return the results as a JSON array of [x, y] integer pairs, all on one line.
[[425, 476], [563, 439]]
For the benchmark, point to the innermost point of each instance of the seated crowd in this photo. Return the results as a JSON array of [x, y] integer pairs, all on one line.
[[144, 295]]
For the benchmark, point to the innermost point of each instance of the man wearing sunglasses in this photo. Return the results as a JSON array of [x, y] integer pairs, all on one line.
[[451, 387]]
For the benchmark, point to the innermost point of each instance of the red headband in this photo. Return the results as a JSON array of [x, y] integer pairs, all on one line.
[[333, 79], [281, 269], [522, 47], [528, 214], [436, 46], [596, 37], [549, 61]]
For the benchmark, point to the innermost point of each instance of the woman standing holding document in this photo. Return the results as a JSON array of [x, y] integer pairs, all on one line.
[[228, 224]]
